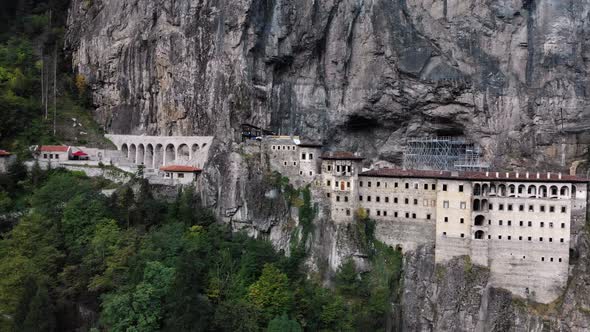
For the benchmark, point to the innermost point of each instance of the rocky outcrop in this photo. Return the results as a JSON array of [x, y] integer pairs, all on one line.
[[361, 74]]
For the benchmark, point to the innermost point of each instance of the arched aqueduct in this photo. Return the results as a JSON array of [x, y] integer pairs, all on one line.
[[157, 151]]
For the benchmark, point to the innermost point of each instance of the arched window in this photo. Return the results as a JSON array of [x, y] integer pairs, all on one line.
[[521, 189], [511, 190], [477, 189], [183, 154], [532, 191], [140, 154], [149, 156], [484, 205], [493, 190], [485, 189], [554, 191], [565, 191], [195, 152], [502, 190], [479, 235], [543, 191], [125, 151], [170, 155], [132, 153], [159, 156], [476, 205], [479, 220]]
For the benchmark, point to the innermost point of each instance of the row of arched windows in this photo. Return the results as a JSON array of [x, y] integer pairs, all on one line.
[[530, 191]]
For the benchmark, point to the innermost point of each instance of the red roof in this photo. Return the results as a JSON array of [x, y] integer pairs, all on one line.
[[341, 155], [53, 148], [476, 176], [79, 154], [179, 168], [4, 153]]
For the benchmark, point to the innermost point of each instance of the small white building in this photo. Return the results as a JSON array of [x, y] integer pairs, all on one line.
[[54, 153], [6, 158], [180, 174]]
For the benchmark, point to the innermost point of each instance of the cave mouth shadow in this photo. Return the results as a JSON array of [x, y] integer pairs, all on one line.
[[356, 122]]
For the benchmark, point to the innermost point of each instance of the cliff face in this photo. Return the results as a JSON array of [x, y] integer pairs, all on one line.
[[361, 74]]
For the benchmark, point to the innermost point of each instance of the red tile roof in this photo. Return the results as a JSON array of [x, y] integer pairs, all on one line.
[[179, 168], [4, 153], [53, 148], [341, 155], [79, 154], [475, 176]]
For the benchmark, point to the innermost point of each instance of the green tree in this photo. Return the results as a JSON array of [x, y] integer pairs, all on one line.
[[283, 324], [271, 294]]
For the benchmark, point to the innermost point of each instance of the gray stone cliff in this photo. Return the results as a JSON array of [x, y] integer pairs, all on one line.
[[363, 75]]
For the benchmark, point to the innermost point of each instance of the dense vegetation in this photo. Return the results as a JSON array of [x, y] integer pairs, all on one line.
[[36, 81], [130, 262]]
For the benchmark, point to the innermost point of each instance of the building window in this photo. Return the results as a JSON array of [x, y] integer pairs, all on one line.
[[561, 240], [428, 216], [501, 207], [426, 186], [303, 156], [542, 259], [369, 184], [509, 237], [360, 183], [462, 235], [368, 212], [530, 224], [360, 198], [463, 205], [328, 183], [368, 198], [542, 224], [395, 214], [395, 185], [406, 201], [530, 238], [300, 172], [395, 200], [542, 208], [180, 175], [509, 207], [521, 222], [433, 186], [551, 225], [347, 184], [328, 195], [563, 209], [499, 237], [415, 201], [500, 223], [348, 212], [385, 213], [45, 155], [413, 216], [386, 199], [294, 163], [329, 168], [311, 156], [407, 186], [377, 199], [531, 208], [444, 187], [562, 225], [273, 147], [552, 209], [416, 186], [446, 204], [462, 220], [446, 219], [509, 222], [408, 215], [560, 260], [489, 237], [444, 233], [460, 188], [540, 239], [348, 169], [491, 206], [346, 198], [550, 239], [521, 207], [378, 184], [520, 238], [338, 198], [285, 163], [551, 259], [378, 213]]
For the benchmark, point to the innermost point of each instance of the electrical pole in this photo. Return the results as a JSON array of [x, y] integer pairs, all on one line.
[[54, 86], [43, 83]]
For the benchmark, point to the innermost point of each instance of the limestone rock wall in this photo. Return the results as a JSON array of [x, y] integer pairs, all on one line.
[[361, 74]]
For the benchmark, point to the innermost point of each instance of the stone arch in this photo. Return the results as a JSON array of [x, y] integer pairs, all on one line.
[[125, 150], [484, 205], [479, 235], [479, 220], [169, 154], [195, 152], [532, 190], [543, 191], [149, 155], [564, 191], [133, 153], [477, 189], [140, 154], [485, 188], [493, 189], [521, 189], [502, 190], [553, 191], [159, 156], [511, 190], [183, 154]]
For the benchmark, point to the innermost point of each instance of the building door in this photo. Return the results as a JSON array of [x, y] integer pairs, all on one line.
[[342, 184]]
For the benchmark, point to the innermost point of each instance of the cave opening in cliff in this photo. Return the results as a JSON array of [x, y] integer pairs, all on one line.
[[356, 122]]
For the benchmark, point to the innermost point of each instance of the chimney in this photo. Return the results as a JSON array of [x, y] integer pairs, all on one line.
[[487, 174], [538, 175], [548, 175], [517, 175], [497, 174], [527, 175], [560, 175], [507, 175]]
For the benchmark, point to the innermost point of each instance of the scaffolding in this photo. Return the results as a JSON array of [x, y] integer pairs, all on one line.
[[443, 153]]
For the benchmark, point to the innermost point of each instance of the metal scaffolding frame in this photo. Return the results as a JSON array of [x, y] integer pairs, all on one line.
[[443, 153]]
